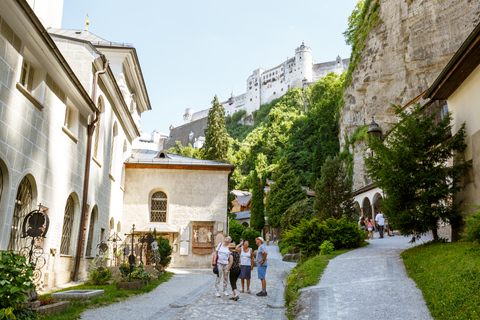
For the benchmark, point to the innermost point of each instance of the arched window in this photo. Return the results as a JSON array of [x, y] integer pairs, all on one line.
[[158, 209], [23, 205], [67, 226], [97, 127], [91, 232], [112, 154]]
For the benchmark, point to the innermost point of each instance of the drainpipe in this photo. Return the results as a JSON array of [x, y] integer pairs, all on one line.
[[90, 130]]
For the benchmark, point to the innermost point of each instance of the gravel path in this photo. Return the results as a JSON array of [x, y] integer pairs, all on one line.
[[366, 283], [190, 294]]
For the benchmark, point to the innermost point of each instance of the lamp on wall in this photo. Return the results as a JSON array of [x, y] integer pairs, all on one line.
[[374, 130]]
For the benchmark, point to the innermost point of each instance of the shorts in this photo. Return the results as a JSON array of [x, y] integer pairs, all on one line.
[[245, 272], [370, 228], [262, 271]]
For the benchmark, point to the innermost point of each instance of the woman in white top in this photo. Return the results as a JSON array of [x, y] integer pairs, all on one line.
[[223, 254], [246, 264]]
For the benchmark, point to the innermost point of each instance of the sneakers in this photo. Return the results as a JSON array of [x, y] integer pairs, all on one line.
[[235, 298], [217, 294], [225, 294], [262, 294]]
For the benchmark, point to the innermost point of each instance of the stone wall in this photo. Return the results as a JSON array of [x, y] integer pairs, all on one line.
[[402, 57]]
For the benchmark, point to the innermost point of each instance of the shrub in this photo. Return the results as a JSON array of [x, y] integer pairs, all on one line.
[[326, 248], [235, 230], [237, 116], [98, 275], [139, 273], [302, 209], [310, 234], [15, 280], [473, 226], [250, 235], [165, 250]]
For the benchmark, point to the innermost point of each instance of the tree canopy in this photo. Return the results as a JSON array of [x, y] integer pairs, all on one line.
[[417, 168], [257, 209], [216, 137]]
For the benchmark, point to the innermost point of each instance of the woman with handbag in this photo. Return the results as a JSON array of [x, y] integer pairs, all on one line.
[[234, 269], [221, 258]]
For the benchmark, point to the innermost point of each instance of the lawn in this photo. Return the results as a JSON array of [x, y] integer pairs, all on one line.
[[449, 276], [110, 296]]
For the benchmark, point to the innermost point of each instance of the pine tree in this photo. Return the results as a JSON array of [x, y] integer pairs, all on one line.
[[413, 167], [216, 136], [283, 193], [333, 192], [257, 209]]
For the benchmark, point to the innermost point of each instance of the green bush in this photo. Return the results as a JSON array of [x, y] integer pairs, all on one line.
[[250, 235], [310, 234], [98, 275], [473, 226], [15, 280], [139, 273], [302, 209], [165, 250], [326, 248], [237, 116], [235, 230]]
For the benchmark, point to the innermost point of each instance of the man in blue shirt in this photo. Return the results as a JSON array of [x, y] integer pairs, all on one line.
[[261, 261]]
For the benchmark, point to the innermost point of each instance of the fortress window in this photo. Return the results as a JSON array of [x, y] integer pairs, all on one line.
[[300, 58], [274, 92], [250, 99]]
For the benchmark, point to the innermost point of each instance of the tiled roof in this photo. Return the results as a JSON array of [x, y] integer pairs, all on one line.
[[242, 215]]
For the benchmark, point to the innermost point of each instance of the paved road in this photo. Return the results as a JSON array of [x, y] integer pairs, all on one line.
[[366, 283], [190, 294]]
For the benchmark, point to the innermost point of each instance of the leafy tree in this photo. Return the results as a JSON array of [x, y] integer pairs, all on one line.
[[333, 192], [412, 167], [283, 193], [251, 235], [257, 209], [216, 137], [302, 209], [235, 230]]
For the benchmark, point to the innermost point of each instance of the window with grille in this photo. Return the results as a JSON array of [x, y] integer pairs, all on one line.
[[67, 226], [27, 75], [23, 205], [91, 231], [158, 211]]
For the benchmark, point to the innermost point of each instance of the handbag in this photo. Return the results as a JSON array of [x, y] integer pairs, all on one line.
[[215, 269]]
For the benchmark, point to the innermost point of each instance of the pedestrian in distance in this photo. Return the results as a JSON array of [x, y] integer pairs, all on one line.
[[380, 221], [274, 238], [370, 228], [246, 264], [234, 269], [362, 225], [223, 254], [261, 261], [267, 236]]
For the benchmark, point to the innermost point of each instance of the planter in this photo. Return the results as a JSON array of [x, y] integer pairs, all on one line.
[[133, 285], [52, 308]]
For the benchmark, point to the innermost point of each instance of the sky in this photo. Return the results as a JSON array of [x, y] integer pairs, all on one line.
[[192, 50]]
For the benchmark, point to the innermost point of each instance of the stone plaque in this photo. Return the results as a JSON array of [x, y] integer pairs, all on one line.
[[202, 239]]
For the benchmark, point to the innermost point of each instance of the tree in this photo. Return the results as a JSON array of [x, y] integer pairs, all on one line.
[[413, 166], [216, 136], [302, 209], [283, 193], [235, 230], [257, 209], [333, 192]]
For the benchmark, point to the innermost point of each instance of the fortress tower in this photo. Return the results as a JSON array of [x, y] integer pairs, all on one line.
[[303, 58]]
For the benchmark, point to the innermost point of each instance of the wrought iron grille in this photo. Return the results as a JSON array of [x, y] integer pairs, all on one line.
[[67, 226], [23, 205], [159, 207], [91, 230]]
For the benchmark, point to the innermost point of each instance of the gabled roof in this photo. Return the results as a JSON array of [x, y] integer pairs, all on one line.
[[465, 60], [87, 36], [144, 158], [243, 197]]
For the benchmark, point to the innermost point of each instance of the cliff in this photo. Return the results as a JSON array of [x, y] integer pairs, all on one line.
[[403, 54]]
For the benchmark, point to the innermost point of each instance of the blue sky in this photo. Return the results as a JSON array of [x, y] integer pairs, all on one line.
[[191, 50]]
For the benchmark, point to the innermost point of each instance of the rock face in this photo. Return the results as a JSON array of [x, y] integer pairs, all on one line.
[[402, 57]]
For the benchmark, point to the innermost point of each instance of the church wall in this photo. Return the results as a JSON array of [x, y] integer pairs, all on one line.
[[195, 197]]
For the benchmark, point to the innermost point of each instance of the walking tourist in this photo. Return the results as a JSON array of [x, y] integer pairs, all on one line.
[[370, 228], [362, 224], [246, 264], [380, 221], [274, 238], [267, 236], [234, 269], [222, 263], [261, 261]]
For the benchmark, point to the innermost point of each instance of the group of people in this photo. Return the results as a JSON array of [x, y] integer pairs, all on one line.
[[380, 221], [267, 236], [236, 261]]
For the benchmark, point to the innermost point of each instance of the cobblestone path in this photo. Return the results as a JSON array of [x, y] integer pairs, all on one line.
[[190, 294]]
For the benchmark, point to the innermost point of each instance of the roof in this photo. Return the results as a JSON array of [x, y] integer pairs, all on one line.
[[150, 157], [462, 64], [242, 215], [87, 36], [310, 192]]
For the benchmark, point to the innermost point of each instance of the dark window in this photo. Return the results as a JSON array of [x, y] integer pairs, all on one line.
[[158, 212]]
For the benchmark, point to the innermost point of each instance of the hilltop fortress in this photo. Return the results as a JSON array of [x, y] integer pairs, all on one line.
[[263, 86]]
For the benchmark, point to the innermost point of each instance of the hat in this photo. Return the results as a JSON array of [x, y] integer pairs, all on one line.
[[261, 239], [231, 245]]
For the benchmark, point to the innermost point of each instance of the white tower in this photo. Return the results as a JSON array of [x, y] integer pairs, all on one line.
[[48, 11], [187, 117], [303, 59]]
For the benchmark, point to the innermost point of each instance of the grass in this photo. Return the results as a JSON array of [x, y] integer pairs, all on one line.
[[111, 295], [449, 276], [304, 275]]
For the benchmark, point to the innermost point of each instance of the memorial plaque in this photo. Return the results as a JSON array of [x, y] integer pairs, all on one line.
[[202, 239]]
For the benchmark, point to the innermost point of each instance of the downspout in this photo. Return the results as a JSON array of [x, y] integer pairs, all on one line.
[[90, 131]]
